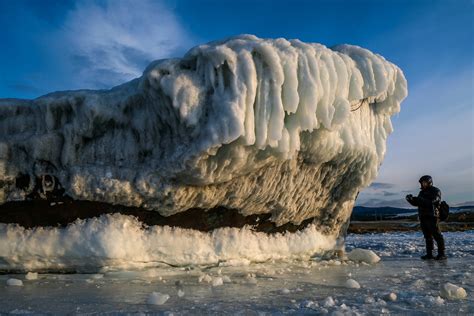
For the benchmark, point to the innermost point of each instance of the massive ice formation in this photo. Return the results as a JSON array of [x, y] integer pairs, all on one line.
[[259, 125]]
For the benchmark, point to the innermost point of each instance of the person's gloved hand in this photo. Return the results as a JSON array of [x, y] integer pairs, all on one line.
[[409, 197]]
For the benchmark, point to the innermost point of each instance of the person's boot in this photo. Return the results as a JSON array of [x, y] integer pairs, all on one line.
[[441, 255], [428, 256], [429, 250]]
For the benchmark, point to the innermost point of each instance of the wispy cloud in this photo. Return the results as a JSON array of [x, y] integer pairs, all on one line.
[[381, 185], [401, 202], [434, 135], [109, 42]]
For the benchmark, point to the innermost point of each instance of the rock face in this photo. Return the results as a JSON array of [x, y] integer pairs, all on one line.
[[263, 126]]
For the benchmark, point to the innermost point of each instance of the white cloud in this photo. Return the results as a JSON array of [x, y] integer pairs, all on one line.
[[109, 42], [434, 135]]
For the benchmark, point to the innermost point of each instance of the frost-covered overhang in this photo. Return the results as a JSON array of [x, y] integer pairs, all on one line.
[[263, 126]]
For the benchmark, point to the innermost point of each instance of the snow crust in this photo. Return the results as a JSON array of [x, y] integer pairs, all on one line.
[[260, 125], [122, 242]]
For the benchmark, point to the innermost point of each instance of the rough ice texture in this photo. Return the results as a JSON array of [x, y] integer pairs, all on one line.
[[122, 242], [260, 125]]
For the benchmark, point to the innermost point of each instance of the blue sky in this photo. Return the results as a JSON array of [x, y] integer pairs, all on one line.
[[61, 45]]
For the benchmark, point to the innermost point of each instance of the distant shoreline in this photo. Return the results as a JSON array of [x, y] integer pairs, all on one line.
[[404, 225], [391, 219]]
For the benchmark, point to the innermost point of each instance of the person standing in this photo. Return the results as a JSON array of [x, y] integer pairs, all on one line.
[[427, 202]]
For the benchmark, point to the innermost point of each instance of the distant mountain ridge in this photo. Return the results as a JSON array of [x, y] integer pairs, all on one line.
[[361, 213]]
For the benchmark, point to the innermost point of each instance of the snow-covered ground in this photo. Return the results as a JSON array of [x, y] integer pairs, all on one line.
[[400, 283]]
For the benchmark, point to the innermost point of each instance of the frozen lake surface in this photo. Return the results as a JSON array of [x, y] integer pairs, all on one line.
[[294, 287]]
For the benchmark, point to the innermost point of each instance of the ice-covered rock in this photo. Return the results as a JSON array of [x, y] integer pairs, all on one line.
[[157, 298], [14, 282], [452, 291], [363, 255], [270, 126]]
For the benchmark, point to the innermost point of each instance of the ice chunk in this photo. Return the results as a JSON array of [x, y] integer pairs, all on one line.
[[381, 302], [251, 279], [352, 284], [157, 298], [31, 276], [363, 255], [436, 300], [308, 304], [369, 300], [329, 302], [205, 278], [451, 291], [14, 282], [391, 297], [217, 281]]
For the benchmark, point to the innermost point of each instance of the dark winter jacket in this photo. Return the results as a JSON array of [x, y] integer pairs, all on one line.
[[427, 201]]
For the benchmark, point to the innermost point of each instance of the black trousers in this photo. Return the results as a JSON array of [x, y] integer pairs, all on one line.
[[430, 229]]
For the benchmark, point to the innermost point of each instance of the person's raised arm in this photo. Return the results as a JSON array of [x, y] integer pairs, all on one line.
[[433, 198], [412, 200]]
